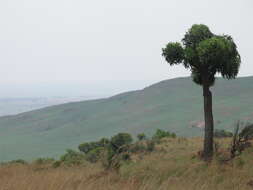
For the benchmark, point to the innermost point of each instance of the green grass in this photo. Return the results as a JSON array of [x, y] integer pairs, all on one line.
[[171, 105]]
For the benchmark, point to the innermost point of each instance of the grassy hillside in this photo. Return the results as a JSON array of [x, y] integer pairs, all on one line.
[[173, 165], [174, 105]]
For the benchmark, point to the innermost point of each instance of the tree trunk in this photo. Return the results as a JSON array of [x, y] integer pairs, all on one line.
[[208, 141]]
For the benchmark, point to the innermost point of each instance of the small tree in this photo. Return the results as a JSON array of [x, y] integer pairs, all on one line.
[[205, 54], [118, 147], [120, 140]]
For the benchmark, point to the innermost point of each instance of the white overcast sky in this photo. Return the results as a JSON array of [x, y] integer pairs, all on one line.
[[106, 44]]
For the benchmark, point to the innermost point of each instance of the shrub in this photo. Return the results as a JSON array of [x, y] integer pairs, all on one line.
[[144, 146], [103, 142], [88, 146], [118, 141], [220, 133], [141, 136], [85, 147], [161, 134], [72, 157], [117, 150], [94, 155], [241, 140]]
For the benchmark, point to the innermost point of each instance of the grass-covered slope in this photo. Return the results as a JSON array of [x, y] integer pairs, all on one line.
[[173, 165], [173, 105]]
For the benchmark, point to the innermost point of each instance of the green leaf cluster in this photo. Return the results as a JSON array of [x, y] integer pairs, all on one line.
[[205, 54]]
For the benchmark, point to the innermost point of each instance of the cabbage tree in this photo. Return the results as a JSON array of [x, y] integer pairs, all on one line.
[[205, 54]]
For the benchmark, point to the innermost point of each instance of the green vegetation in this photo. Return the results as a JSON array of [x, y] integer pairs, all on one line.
[[49, 132], [205, 54], [72, 157], [161, 134]]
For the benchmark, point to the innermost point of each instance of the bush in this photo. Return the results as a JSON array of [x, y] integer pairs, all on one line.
[[143, 146], [94, 155], [87, 147], [241, 140], [221, 133], [141, 136], [117, 150], [72, 157], [103, 142], [118, 141], [161, 134]]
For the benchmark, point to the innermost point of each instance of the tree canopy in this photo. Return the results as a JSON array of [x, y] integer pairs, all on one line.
[[204, 53]]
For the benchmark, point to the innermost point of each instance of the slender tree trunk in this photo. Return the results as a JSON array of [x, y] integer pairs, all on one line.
[[208, 141]]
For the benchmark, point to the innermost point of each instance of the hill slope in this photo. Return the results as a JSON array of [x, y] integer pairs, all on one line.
[[173, 105]]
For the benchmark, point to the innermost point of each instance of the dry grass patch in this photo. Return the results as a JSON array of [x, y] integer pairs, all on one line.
[[174, 165]]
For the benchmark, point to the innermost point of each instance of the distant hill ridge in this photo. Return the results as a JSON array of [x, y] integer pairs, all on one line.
[[174, 105]]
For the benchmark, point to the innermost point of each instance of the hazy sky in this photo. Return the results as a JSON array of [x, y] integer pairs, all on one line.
[[106, 45]]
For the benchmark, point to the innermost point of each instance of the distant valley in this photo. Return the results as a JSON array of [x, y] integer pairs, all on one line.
[[12, 106]]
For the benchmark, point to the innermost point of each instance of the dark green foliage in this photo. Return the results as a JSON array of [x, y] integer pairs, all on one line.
[[104, 142], [117, 150], [173, 53], [88, 146], [94, 155], [141, 136], [205, 54], [118, 141], [72, 157], [220, 133], [161, 134], [196, 34]]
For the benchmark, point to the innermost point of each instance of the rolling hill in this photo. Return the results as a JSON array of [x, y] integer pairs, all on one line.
[[174, 105]]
